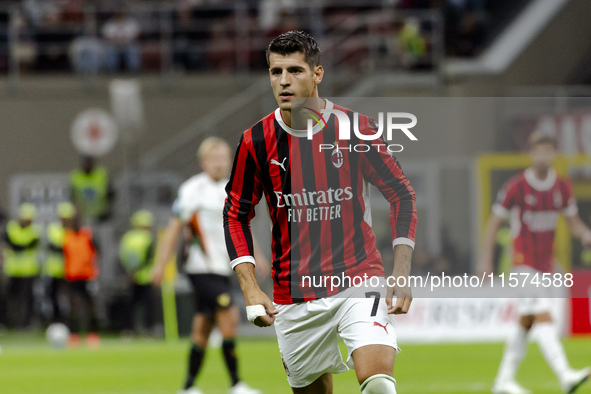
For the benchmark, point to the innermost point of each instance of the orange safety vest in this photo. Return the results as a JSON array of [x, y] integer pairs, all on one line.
[[79, 255]]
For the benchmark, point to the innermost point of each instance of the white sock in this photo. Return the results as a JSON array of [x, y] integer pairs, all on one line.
[[379, 384], [549, 343], [514, 352]]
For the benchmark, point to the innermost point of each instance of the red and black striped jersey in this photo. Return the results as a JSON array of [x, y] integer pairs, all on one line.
[[318, 202], [533, 207]]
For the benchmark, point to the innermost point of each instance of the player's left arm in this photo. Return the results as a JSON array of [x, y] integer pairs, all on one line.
[[577, 227], [402, 265], [384, 172], [166, 250]]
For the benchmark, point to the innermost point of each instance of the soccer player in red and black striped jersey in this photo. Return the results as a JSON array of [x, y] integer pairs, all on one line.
[[321, 229], [534, 199]]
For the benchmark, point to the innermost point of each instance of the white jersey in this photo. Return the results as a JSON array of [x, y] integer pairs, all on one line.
[[199, 204]]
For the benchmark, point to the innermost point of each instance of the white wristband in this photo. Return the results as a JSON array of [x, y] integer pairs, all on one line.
[[254, 311]]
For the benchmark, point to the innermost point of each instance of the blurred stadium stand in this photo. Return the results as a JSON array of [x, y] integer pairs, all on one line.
[[47, 35]]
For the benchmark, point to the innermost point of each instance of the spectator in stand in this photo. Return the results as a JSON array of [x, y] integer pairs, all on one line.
[[411, 43], [86, 51], [220, 49], [286, 21], [270, 13], [122, 33], [41, 12], [25, 48]]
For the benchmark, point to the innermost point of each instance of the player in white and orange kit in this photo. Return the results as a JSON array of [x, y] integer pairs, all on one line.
[[198, 209]]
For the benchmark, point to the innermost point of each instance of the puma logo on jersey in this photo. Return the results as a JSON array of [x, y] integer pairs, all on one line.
[[273, 161], [375, 323]]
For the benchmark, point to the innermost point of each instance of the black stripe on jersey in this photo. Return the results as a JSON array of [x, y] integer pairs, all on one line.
[[309, 182], [246, 198], [526, 240], [353, 162], [403, 221], [228, 206], [337, 227], [540, 206], [282, 141], [257, 134]]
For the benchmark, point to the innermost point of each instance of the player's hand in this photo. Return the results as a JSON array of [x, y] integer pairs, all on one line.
[[258, 297], [403, 299], [157, 276], [586, 238]]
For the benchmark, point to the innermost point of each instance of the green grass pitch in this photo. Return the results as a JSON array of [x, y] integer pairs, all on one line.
[[29, 366]]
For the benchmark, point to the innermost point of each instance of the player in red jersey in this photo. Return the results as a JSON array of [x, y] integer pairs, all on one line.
[[321, 227], [534, 199]]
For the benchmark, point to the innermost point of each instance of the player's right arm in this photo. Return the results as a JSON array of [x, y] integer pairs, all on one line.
[[506, 199], [167, 248], [244, 191], [485, 264]]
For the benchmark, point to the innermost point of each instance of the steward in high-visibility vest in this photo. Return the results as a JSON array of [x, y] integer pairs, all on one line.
[[53, 268], [136, 250], [90, 190], [54, 263], [21, 266], [136, 253], [80, 269], [79, 255], [21, 245]]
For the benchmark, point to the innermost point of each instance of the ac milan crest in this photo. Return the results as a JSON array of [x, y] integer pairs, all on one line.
[[338, 158]]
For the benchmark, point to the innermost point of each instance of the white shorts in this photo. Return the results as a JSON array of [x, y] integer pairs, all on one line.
[[532, 299], [533, 306], [308, 332]]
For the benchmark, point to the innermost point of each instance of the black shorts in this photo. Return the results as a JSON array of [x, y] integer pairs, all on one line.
[[211, 292]]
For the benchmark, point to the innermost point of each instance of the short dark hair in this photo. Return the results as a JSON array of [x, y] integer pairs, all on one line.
[[538, 138], [296, 41]]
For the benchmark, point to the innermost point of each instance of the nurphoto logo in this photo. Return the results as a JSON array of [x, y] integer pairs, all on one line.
[[391, 124]]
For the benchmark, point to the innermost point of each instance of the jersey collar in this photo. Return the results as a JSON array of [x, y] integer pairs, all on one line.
[[537, 184], [301, 133]]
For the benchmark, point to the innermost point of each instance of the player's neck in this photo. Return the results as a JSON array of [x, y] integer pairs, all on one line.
[[286, 114], [213, 178], [541, 173]]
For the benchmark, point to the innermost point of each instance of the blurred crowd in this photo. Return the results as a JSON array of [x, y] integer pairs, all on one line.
[[139, 35]]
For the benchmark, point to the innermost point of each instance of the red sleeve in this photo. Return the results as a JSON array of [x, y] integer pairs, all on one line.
[[383, 171], [244, 190], [569, 201], [506, 199]]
